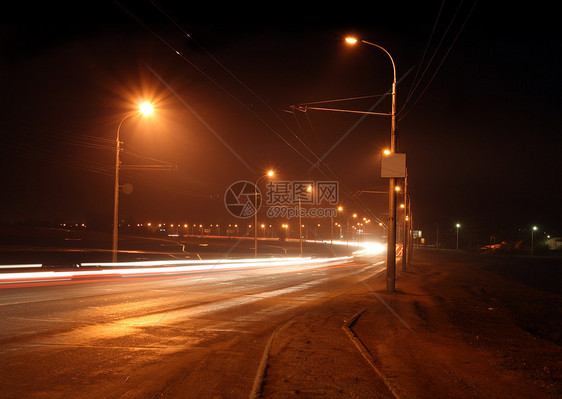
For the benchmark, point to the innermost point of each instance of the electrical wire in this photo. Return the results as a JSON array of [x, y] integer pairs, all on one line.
[[402, 113], [317, 163], [415, 80], [273, 130]]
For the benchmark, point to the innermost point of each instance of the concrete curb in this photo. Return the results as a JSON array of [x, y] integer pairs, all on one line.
[[365, 352], [260, 374]]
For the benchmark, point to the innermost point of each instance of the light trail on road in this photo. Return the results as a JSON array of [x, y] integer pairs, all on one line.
[[138, 328], [164, 268], [104, 270]]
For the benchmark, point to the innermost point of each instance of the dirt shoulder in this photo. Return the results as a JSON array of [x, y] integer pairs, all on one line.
[[459, 326]]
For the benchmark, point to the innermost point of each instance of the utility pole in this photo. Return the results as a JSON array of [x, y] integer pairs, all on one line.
[[405, 249]]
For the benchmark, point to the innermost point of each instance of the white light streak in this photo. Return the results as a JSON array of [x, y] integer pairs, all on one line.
[[21, 266], [170, 267], [143, 268]]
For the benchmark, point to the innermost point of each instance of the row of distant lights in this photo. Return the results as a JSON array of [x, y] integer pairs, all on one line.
[[163, 225], [284, 225], [533, 229]]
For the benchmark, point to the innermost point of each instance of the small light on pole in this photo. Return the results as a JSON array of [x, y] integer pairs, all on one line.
[[458, 225], [144, 109], [308, 189], [532, 238], [268, 174]]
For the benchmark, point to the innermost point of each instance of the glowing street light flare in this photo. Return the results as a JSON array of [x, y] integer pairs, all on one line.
[[146, 108]]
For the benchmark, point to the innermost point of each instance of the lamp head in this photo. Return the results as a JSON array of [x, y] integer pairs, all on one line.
[[146, 108]]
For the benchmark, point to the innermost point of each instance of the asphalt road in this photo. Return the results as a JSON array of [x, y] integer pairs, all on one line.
[[202, 332]]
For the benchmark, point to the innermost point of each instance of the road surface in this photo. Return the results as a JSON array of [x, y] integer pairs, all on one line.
[[201, 332]]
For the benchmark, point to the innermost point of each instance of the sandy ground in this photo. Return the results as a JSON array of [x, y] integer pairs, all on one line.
[[459, 326]]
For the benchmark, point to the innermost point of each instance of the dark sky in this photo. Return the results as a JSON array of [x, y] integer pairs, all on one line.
[[480, 130]]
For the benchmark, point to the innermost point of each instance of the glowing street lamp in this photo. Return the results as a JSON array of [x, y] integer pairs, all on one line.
[[391, 236], [458, 225], [308, 189], [144, 109], [339, 209], [268, 174], [532, 238]]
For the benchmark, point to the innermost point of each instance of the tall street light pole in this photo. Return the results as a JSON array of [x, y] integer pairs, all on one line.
[[405, 248], [458, 225], [308, 189], [300, 228], [269, 174], [145, 109], [339, 209], [391, 246], [532, 239]]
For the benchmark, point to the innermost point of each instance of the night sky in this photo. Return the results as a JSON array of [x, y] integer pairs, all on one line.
[[479, 110]]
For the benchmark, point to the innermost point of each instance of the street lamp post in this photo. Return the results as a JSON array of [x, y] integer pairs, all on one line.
[[532, 239], [458, 225], [391, 238], [145, 109], [269, 174], [405, 249], [339, 209], [308, 189]]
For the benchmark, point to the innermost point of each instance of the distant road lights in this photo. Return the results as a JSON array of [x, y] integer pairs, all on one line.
[[144, 109], [458, 225]]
